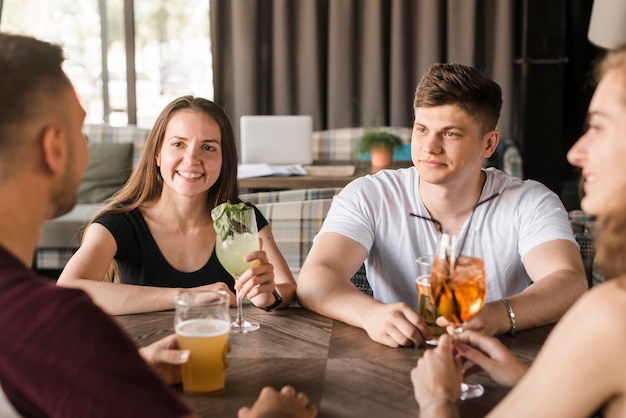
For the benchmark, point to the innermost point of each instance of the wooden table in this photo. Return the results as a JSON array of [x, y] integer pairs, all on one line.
[[342, 371], [309, 182]]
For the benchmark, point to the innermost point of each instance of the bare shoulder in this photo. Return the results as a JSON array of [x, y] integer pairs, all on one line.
[[610, 296], [602, 310], [608, 302]]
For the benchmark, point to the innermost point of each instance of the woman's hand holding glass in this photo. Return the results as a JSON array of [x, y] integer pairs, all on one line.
[[438, 374], [490, 355], [257, 283], [238, 248]]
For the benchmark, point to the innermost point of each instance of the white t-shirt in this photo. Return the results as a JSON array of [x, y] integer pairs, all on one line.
[[374, 211]]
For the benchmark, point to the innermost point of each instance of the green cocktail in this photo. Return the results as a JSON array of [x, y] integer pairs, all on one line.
[[237, 236], [231, 252]]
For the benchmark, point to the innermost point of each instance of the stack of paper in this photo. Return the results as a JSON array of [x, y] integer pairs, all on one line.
[[245, 171]]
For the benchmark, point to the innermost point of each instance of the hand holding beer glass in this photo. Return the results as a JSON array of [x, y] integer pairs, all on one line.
[[202, 324], [458, 290], [425, 305]]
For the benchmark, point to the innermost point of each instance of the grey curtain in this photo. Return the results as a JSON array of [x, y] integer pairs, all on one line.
[[351, 62]]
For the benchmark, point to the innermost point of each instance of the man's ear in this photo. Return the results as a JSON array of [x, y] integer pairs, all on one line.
[[493, 138], [54, 148]]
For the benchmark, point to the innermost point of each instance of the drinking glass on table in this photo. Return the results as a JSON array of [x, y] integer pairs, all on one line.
[[458, 290], [232, 244], [202, 324], [425, 305]]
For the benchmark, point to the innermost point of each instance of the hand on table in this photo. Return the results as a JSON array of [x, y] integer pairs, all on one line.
[[218, 286], [395, 325], [286, 403]]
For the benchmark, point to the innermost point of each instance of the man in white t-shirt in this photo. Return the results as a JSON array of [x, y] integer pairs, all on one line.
[[523, 233]]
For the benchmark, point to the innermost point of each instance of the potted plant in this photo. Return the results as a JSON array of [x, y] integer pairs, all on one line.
[[380, 144]]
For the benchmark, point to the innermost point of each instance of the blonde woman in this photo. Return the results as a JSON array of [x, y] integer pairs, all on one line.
[[156, 234]]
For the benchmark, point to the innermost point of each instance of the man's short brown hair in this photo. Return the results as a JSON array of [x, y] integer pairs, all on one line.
[[464, 86]]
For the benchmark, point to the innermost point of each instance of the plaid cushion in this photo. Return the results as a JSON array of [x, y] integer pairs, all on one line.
[[52, 258], [340, 144], [582, 225], [290, 195], [102, 133], [597, 276], [360, 281], [60, 237], [294, 225]]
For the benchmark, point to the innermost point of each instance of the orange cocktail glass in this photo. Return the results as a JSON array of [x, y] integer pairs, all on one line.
[[458, 288]]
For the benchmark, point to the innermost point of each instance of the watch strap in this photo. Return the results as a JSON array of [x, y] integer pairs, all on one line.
[[277, 302]]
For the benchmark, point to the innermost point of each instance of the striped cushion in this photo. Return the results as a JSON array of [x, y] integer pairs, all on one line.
[[294, 225], [290, 195]]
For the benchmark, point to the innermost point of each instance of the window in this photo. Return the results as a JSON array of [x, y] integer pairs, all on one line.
[[171, 43]]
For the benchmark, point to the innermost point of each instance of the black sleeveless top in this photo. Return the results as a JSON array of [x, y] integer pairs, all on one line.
[[141, 262]]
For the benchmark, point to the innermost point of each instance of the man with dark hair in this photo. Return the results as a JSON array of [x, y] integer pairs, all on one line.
[[60, 355], [522, 230]]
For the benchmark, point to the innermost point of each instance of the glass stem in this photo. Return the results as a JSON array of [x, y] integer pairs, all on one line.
[[239, 319]]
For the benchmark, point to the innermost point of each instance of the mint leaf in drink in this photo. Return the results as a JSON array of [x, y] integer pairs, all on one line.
[[223, 216]]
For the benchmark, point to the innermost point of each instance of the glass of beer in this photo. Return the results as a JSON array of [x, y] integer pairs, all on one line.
[[202, 324], [425, 305]]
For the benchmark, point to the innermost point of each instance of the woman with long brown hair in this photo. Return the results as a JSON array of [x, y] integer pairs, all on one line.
[[156, 235]]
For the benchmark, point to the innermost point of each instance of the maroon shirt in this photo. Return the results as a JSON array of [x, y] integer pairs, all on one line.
[[62, 356]]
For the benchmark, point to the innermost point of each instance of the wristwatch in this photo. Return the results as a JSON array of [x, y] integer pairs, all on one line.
[[277, 302]]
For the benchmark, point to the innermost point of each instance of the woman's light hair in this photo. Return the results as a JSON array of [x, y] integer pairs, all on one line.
[[610, 233]]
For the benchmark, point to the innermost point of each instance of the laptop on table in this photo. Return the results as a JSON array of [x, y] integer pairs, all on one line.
[[275, 145], [276, 139]]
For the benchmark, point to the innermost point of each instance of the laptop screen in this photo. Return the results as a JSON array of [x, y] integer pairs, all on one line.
[[276, 139]]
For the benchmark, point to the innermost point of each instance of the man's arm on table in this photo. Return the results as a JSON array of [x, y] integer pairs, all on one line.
[[558, 275], [324, 287]]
